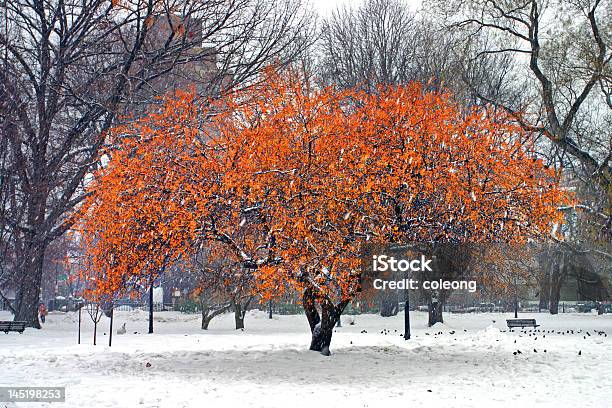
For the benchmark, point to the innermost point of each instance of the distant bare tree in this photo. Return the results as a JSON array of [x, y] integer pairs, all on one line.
[[95, 312], [559, 82], [369, 45], [70, 68], [384, 42]]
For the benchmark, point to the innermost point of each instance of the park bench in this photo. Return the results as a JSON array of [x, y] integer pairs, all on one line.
[[7, 326], [522, 323]]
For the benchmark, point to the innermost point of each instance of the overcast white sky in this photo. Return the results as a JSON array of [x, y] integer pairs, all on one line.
[[325, 7]]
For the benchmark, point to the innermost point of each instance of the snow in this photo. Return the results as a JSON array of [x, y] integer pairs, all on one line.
[[268, 364]]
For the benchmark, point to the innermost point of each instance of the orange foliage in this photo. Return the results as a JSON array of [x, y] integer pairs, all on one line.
[[290, 181]]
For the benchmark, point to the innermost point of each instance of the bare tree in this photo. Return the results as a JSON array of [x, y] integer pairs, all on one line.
[[384, 42], [560, 80], [223, 284], [95, 313], [369, 45], [71, 68]]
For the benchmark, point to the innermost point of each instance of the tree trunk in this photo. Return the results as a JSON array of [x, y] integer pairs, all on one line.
[[206, 318], [95, 332], [28, 295], [240, 311], [545, 290], [208, 314], [435, 312], [205, 321], [556, 282], [389, 303], [321, 338], [554, 299], [321, 325], [238, 316]]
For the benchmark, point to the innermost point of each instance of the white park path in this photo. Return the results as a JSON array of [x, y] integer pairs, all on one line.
[[472, 363]]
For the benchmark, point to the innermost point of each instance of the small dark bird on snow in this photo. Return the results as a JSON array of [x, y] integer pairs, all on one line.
[[580, 353], [535, 351], [519, 351], [545, 350], [148, 364]]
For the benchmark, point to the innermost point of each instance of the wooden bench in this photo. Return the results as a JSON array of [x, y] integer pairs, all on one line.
[[522, 323], [7, 326]]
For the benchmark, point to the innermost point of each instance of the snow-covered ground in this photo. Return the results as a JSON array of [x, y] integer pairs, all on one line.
[[268, 364]]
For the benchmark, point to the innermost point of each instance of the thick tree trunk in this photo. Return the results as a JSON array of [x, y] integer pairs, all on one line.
[[238, 316], [556, 282], [554, 299], [321, 338], [240, 311], [435, 312], [28, 296], [389, 303], [205, 321], [321, 325], [208, 313], [544, 290]]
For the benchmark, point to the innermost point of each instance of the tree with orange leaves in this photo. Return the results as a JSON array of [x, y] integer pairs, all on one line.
[[319, 172]]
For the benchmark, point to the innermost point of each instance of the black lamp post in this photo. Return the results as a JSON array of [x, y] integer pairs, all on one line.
[[515, 299], [406, 314]]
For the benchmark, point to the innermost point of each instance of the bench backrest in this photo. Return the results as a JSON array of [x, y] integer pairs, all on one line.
[[10, 326], [521, 322]]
